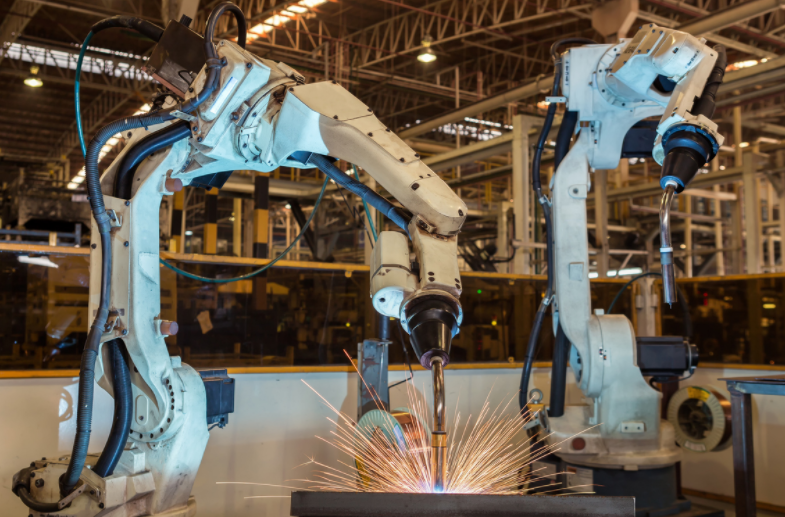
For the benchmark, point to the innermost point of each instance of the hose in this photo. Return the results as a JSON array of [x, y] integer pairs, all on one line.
[[34, 505], [362, 191], [261, 269], [679, 293], [534, 335], [707, 102], [561, 356], [21, 487], [95, 195], [123, 411], [563, 137], [161, 139]]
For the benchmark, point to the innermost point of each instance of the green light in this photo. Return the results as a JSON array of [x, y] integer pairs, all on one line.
[[479, 291]]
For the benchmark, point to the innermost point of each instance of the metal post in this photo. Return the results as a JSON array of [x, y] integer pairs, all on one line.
[[521, 193], [736, 234], [237, 228], [751, 216], [601, 221], [210, 243], [647, 305], [372, 360], [743, 458], [502, 237], [718, 240], [261, 234], [780, 161]]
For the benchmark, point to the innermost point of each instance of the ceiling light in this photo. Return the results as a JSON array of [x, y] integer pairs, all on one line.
[[427, 55], [33, 81]]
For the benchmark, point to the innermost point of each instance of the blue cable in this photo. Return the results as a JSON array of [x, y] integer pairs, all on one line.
[[76, 93], [261, 269], [367, 212]]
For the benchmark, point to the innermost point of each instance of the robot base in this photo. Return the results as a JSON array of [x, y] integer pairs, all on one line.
[[129, 492], [655, 490]]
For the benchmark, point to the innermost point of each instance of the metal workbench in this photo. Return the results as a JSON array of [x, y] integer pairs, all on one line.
[[741, 390], [356, 504]]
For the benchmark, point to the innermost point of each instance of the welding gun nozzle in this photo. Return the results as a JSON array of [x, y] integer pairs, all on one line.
[[439, 431]]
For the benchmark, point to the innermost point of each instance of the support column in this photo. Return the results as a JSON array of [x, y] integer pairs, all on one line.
[[751, 213], [743, 456], [780, 157], [261, 198], [261, 235], [177, 238], [210, 243], [736, 234], [521, 193], [718, 237], [237, 228], [601, 221]]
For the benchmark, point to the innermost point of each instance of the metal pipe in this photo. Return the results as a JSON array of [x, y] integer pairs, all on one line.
[[483, 106], [439, 431], [725, 18], [666, 246]]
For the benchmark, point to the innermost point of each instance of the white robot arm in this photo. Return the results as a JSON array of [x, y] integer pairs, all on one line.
[[658, 73], [241, 112]]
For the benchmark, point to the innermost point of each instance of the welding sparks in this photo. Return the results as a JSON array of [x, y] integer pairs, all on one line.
[[492, 454]]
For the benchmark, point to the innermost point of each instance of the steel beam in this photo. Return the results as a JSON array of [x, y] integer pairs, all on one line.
[[470, 153], [19, 14], [727, 17], [483, 106]]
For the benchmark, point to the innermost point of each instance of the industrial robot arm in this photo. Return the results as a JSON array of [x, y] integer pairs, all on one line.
[[658, 73], [288, 123], [236, 111]]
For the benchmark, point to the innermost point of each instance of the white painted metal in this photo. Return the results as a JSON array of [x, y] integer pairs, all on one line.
[[610, 87], [261, 115]]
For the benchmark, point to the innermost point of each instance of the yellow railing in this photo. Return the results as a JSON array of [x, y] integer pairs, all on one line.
[[310, 314]]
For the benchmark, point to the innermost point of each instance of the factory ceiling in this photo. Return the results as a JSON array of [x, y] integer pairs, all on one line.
[[375, 48]]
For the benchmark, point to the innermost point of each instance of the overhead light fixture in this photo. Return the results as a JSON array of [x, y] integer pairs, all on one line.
[[427, 55], [33, 81]]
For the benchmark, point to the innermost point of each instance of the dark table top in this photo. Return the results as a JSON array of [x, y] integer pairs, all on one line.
[[758, 385]]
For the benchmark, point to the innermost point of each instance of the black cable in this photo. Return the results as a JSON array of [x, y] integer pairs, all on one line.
[[406, 360], [358, 218], [34, 505], [625, 286], [161, 139], [705, 104], [141, 26], [679, 294], [504, 260], [92, 175], [123, 410], [534, 336]]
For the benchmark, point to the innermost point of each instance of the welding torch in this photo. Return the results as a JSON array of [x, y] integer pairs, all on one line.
[[439, 431]]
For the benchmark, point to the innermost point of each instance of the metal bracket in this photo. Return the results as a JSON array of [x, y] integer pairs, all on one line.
[[65, 501], [558, 99], [183, 116], [112, 322], [115, 220]]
